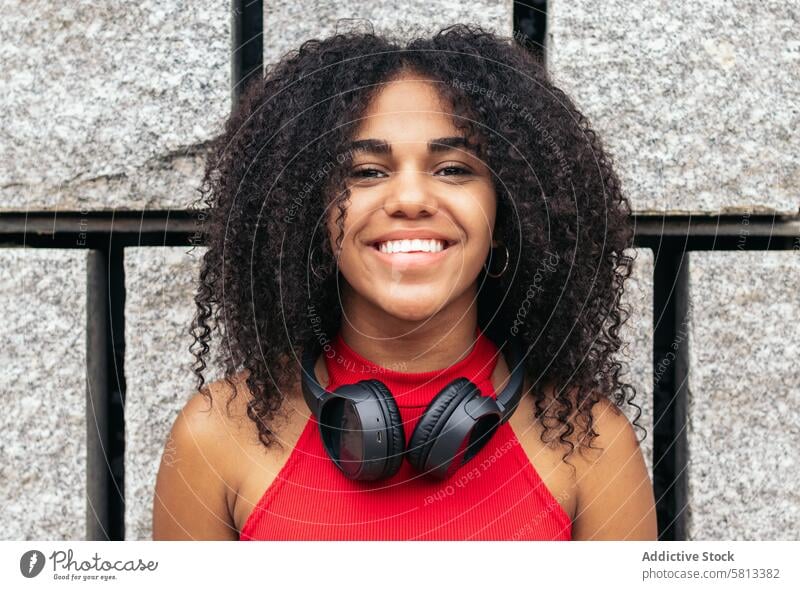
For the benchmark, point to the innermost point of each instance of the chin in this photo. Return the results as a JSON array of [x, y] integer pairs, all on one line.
[[411, 309]]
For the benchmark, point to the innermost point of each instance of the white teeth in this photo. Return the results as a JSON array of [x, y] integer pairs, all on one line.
[[416, 245]]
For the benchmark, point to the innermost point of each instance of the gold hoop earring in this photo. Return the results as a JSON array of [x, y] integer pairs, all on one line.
[[505, 266], [311, 264]]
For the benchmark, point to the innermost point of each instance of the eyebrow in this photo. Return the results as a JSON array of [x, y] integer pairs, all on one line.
[[438, 145]]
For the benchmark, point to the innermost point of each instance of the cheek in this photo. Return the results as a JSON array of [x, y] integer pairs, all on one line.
[[484, 216]]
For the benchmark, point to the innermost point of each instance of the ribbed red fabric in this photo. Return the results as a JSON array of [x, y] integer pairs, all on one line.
[[498, 495]]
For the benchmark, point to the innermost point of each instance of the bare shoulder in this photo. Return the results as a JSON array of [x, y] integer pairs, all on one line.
[[608, 422], [225, 403], [195, 484], [216, 417], [615, 493], [614, 431]]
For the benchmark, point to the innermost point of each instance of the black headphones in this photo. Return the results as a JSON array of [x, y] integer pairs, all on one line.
[[362, 430]]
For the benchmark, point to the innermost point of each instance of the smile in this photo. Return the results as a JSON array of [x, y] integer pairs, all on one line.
[[415, 245], [406, 254]]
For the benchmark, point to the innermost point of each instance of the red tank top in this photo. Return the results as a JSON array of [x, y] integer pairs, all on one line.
[[496, 496]]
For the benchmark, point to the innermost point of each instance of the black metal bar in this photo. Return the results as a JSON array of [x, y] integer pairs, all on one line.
[[741, 226], [98, 475], [724, 232], [664, 465], [78, 225], [247, 44], [681, 414], [115, 294], [530, 26]]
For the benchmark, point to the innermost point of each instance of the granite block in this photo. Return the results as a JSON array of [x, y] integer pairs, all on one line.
[[697, 103], [43, 388], [744, 395], [637, 351], [110, 104], [160, 283]]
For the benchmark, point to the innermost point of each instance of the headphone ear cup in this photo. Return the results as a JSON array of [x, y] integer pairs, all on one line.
[[433, 419], [396, 438]]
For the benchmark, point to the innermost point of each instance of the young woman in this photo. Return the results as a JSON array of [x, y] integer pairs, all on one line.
[[404, 214]]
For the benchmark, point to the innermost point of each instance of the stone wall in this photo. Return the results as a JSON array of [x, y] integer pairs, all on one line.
[[744, 392], [44, 392], [697, 103], [108, 104], [159, 306], [110, 107]]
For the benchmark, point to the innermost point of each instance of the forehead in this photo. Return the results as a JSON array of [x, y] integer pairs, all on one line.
[[408, 109]]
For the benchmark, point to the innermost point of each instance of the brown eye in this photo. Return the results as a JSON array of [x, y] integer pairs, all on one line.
[[363, 173], [460, 171]]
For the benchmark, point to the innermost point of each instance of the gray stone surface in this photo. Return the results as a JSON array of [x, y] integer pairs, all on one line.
[[160, 285], [637, 353], [698, 102], [290, 23], [43, 389], [108, 104], [744, 404]]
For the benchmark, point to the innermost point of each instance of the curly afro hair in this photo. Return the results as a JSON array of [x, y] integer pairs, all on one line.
[[278, 167]]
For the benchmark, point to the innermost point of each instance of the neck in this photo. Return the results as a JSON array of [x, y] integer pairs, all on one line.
[[410, 346]]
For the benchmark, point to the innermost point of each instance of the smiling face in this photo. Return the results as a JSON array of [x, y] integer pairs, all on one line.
[[413, 179]]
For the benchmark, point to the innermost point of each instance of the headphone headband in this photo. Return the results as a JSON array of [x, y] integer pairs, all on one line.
[[507, 399]]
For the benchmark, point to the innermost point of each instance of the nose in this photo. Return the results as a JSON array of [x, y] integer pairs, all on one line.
[[410, 197]]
